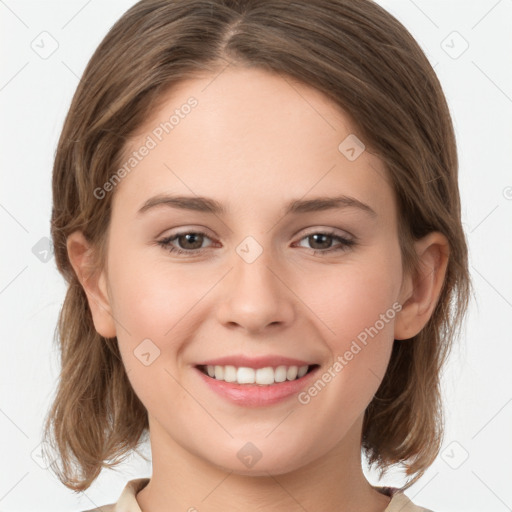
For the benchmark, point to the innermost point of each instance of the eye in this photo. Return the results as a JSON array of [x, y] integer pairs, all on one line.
[[321, 242], [190, 240]]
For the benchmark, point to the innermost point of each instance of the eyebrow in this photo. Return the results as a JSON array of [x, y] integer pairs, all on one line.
[[208, 205]]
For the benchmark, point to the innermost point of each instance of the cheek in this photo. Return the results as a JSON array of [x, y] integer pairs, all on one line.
[[151, 297], [153, 306], [353, 298], [357, 308]]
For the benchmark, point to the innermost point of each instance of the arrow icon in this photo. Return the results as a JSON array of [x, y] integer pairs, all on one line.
[[146, 352], [351, 147]]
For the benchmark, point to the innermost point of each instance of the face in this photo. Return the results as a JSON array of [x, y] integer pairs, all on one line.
[[267, 278]]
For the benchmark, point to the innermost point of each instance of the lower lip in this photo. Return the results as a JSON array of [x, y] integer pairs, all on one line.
[[254, 395]]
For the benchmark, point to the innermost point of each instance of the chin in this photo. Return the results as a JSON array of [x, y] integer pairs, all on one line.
[[278, 464]]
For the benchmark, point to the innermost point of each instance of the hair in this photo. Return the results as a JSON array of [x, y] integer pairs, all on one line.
[[363, 59]]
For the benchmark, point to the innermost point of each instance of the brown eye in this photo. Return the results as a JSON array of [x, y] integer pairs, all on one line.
[[321, 242], [188, 242]]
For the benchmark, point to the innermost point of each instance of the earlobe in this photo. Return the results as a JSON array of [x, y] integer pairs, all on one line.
[[423, 289], [93, 281]]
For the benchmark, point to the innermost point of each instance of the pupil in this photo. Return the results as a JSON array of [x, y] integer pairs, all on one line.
[[320, 235], [192, 235]]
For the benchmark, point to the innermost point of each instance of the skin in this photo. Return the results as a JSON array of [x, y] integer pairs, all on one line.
[[255, 141]]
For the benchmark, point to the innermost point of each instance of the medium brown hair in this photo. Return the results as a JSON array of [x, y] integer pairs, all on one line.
[[359, 56]]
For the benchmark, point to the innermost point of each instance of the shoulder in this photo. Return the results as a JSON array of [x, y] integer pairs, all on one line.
[[127, 502], [401, 503], [104, 508]]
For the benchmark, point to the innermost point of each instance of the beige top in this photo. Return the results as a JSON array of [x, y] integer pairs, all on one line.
[[128, 503]]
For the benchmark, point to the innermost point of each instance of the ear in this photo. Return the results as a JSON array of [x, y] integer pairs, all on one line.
[[420, 292], [93, 282]]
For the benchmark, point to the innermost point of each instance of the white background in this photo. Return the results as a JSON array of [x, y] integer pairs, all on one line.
[[473, 472]]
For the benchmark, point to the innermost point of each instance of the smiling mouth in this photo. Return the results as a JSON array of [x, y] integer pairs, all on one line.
[[267, 376]]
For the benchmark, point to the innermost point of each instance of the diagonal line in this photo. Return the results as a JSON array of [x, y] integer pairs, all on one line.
[[286, 491], [492, 81], [424, 13], [2, 1], [311, 188], [491, 286], [300, 300], [484, 218], [376, 376], [285, 79], [220, 483], [13, 217], [204, 408], [13, 279], [14, 485], [14, 76], [76, 14], [216, 76], [198, 301], [79, 79], [491, 490], [293, 410], [14, 423], [492, 418], [100, 509], [498, 2], [414, 496]]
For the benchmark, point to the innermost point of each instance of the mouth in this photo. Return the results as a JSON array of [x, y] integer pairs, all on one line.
[[266, 376]]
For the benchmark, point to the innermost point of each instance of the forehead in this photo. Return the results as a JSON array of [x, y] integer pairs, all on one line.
[[244, 132]]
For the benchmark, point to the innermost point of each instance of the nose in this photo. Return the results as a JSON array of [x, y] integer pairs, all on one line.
[[255, 296]]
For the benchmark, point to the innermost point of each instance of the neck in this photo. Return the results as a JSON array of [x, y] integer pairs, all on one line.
[[183, 481]]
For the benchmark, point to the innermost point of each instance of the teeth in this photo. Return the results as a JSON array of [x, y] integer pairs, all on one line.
[[219, 372], [262, 376], [229, 373], [245, 375], [291, 373], [302, 371]]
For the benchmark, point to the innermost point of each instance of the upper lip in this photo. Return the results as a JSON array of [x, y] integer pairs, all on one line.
[[255, 362]]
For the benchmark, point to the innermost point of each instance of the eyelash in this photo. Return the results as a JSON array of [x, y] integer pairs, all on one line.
[[345, 242]]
